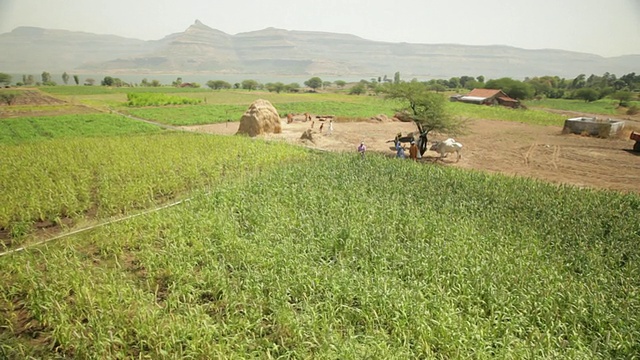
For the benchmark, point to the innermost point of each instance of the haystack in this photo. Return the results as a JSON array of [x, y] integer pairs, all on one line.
[[260, 118]]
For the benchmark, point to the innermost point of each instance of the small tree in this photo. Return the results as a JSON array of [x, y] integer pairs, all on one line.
[[218, 84], [340, 83], [586, 94], [89, 81], [623, 97], [107, 81], [396, 77], [46, 77], [314, 83], [249, 84], [65, 78], [326, 84], [293, 87], [426, 109], [8, 98], [275, 87], [76, 79], [5, 78], [358, 89]]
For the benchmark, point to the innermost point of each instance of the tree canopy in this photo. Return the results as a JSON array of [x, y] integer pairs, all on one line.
[[314, 83], [5, 78], [427, 109], [514, 88]]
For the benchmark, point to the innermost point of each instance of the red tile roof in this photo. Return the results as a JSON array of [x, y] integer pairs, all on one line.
[[485, 93]]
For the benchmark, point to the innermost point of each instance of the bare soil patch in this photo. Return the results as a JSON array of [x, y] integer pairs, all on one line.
[[511, 148], [35, 103]]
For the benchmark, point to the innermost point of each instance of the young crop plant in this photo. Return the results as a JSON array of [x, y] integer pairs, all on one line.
[[159, 99], [67, 180], [33, 129], [332, 257]]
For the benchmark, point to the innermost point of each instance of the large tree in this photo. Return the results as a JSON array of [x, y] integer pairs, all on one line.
[[314, 83], [425, 108]]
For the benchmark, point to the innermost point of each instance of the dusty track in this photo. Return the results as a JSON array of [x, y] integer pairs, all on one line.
[[541, 152]]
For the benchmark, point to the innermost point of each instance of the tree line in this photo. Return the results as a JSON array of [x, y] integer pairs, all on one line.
[[589, 88]]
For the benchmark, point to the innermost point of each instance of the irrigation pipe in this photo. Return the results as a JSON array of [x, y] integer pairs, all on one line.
[[77, 231]]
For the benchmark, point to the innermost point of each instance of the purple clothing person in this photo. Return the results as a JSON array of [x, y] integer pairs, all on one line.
[[362, 148]]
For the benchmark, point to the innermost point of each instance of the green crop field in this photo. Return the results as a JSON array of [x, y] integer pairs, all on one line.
[[70, 177], [274, 251], [339, 257], [28, 129], [602, 106], [534, 117]]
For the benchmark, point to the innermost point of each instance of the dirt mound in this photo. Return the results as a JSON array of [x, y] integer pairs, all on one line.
[[260, 118]]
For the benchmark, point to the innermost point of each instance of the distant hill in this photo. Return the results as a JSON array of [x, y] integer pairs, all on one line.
[[204, 50]]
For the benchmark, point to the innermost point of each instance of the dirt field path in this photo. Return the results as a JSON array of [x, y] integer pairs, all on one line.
[[541, 152]]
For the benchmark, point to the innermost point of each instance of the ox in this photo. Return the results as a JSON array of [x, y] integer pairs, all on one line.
[[446, 147]]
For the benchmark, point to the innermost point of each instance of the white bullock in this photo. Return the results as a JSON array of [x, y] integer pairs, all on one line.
[[446, 147]]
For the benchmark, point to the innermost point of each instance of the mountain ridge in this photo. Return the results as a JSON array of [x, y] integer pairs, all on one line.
[[203, 49]]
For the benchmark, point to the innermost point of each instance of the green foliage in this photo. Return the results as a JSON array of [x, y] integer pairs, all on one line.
[[46, 77], [68, 176], [336, 258], [623, 97], [427, 109], [358, 89], [5, 78], [250, 84], [76, 79], [158, 99], [602, 106], [30, 129], [275, 87], [586, 94], [528, 116], [514, 88], [65, 78], [340, 83], [314, 83], [218, 84], [190, 115], [8, 97]]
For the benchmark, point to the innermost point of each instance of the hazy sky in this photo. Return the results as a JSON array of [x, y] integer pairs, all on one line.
[[603, 27]]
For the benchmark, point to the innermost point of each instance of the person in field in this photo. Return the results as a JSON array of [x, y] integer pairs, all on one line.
[[399, 150], [362, 148], [413, 151]]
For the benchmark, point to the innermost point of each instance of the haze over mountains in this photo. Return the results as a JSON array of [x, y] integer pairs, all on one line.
[[201, 49]]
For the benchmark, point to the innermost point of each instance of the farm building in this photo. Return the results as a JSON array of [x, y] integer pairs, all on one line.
[[488, 97]]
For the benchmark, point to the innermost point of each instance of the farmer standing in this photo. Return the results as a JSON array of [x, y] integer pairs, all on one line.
[[362, 149], [399, 150], [413, 151]]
